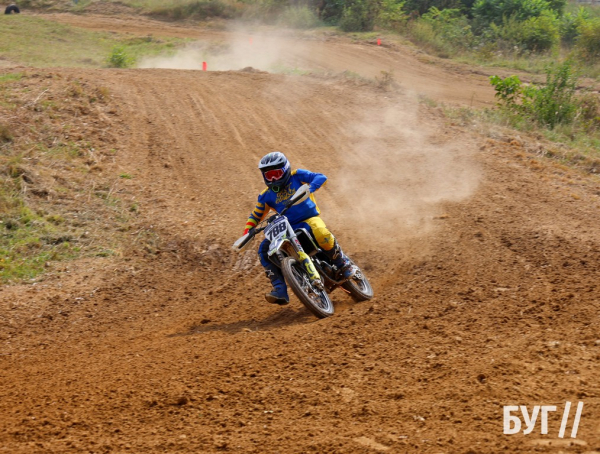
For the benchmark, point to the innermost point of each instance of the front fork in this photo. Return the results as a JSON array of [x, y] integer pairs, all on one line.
[[307, 263]]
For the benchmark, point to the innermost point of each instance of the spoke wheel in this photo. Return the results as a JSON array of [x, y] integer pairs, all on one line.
[[317, 301], [359, 287]]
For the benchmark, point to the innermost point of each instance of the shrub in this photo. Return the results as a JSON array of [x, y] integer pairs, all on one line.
[[536, 34], [391, 14], [588, 41], [508, 91], [554, 103], [359, 15], [196, 10], [548, 105], [488, 12], [331, 11], [568, 28], [451, 26], [424, 33], [541, 33], [589, 110], [558, 6], [422, 6], [446, 32], [119, 58]]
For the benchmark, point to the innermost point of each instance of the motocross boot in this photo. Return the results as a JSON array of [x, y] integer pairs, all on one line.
[[279, 294], [339, 259]]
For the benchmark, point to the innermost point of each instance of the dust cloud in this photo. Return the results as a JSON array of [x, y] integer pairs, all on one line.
[[394, 173], [237, 49], [397, 172]]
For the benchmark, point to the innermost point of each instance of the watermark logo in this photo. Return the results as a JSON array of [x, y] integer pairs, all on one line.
[[512, 422]]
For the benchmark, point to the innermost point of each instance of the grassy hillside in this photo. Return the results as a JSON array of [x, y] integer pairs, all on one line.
[[58, 197], [39, 42]]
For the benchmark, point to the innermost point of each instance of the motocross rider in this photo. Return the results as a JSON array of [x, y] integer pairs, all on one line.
[[282, 182]]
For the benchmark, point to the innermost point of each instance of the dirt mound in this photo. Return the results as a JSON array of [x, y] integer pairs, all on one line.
[[483, 259]]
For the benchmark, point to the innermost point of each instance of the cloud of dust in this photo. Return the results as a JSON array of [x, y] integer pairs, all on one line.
[[398, 172], [395, 171], [232, 50]]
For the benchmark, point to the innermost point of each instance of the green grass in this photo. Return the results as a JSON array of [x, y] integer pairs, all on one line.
[[29, 237], [39, 42], [50, 203], [28, 240], [568, 144], [10, 77]]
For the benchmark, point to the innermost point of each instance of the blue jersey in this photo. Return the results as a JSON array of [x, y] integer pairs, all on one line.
[[271, 200]]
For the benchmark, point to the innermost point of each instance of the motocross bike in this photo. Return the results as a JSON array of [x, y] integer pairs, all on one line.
[[306, 268]]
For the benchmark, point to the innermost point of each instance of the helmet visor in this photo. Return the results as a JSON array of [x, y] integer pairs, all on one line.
[[274, 175]]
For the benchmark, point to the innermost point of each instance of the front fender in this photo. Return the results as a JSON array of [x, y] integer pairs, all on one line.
[[276, 245]]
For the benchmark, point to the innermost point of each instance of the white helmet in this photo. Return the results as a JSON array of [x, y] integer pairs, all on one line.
[[276, 170]]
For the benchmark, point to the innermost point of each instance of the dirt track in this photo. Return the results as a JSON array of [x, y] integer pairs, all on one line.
[[483, 258], [415, 71]]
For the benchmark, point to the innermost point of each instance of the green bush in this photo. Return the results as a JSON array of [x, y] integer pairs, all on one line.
[[589, 111], [555, 102], [391, 14], [541, 33], [445, 32], [119, 58], [331, 11], [588, 42], [558, 6], [549, 105], [425, 35], [451, 26], [570, 24], [359, 15], [508, 91], [196, 10], [422, 6], [536, 34], [488, 12]]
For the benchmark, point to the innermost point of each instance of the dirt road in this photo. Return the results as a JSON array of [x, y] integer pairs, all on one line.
[[484, 260]]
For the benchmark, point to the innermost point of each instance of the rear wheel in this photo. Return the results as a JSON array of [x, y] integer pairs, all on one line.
[[317, 301], [359, 287]]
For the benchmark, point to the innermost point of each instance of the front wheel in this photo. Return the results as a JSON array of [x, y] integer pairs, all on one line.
[[359, 287], [317, 301]]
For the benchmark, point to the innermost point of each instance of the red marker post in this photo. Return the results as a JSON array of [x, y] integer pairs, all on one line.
[[379, 41], [203, 66]]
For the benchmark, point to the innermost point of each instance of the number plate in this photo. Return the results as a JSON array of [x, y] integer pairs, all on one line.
[[277, 229]]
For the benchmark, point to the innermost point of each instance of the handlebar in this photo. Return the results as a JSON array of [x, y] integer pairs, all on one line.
[[303, 193]]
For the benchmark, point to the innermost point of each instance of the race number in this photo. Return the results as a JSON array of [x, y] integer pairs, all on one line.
[[276, 229]]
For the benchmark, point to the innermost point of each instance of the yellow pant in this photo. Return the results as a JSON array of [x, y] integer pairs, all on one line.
[[324, 237]]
